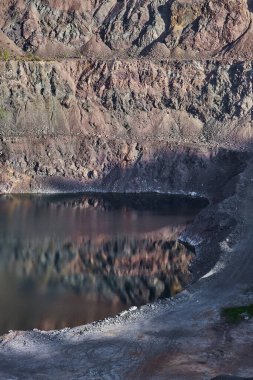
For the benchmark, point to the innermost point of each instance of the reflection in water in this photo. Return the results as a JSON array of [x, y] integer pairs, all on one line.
[[70, 260]]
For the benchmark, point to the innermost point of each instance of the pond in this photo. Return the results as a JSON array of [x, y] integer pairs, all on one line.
[[72, 259]]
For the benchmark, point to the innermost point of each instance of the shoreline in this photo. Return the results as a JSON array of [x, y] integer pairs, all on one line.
[[196, 310]]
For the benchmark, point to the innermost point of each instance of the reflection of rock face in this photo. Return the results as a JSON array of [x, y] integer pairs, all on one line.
[[134, 270], [84, 217], [102, 253]]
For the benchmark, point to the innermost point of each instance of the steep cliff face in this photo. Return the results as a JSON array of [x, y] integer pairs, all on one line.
[[209, 101], [104, 123], [162, 86], [168, 28]]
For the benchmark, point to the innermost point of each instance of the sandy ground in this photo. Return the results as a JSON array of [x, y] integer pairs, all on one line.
[[180, 338]]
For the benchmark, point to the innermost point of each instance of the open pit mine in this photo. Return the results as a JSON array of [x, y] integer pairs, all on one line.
[[126, 189]]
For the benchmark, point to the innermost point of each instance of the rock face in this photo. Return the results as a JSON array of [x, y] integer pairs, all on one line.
[[147, 97], [209, 101], [123, 125], [199, 28]]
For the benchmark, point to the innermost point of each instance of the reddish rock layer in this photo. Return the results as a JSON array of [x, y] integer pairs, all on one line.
[[168, 29]]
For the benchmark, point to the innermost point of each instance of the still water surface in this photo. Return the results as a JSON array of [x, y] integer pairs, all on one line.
[[70, 260]]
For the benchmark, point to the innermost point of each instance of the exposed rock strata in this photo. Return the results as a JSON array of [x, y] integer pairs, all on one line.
[[168, 28], [95, 122]]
